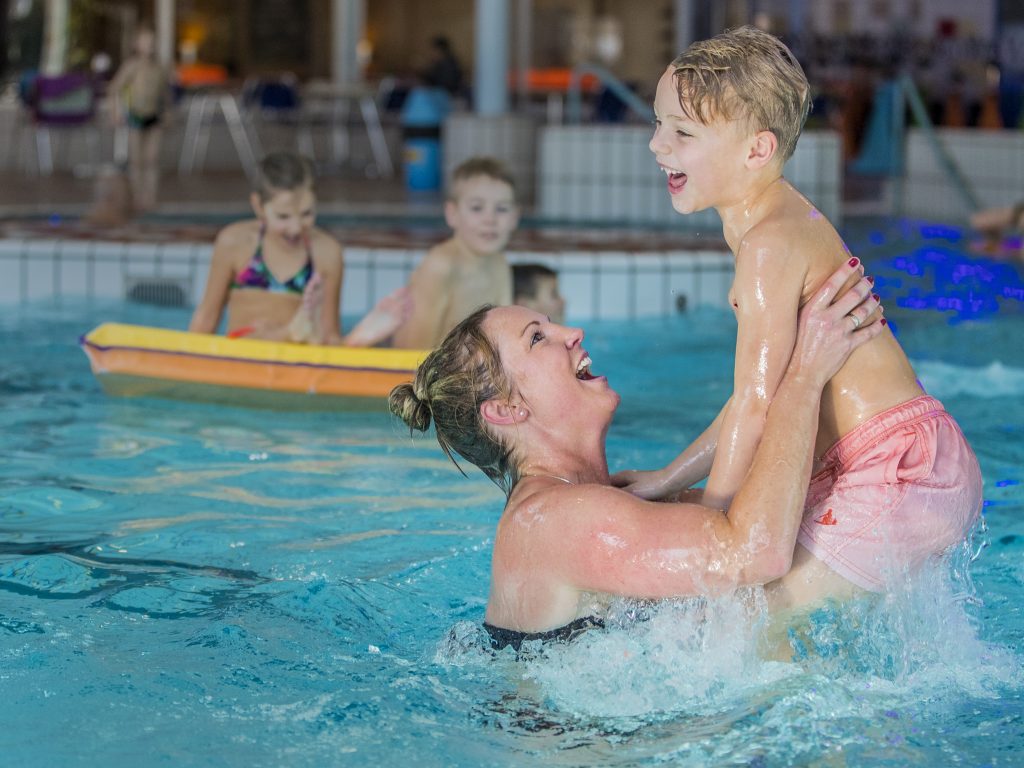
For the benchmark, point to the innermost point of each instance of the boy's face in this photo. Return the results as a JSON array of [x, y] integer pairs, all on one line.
[[704, 164], [288, 215], [483, 214], [145, 43], [547, 299]]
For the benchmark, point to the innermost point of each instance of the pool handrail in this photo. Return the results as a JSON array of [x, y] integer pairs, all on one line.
[[908, 94], [574, 98]]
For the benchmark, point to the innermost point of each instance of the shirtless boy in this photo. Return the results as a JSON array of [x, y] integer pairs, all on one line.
[[469, 268], [895, 482]]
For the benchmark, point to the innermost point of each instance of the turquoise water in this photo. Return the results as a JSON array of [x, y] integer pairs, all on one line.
[[188, 584]]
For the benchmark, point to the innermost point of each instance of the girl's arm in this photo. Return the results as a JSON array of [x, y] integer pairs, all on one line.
[[207, 315], [331, 266]]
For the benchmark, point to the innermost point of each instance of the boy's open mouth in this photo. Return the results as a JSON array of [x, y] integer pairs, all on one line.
[[676, 182]]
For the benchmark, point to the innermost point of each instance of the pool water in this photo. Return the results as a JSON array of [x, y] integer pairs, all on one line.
[[189, 584]]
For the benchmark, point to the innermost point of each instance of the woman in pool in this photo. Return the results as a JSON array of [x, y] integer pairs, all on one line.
[[512, 393], [280, 276]]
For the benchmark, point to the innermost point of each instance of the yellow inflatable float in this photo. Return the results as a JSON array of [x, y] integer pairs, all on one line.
[[136, 360]]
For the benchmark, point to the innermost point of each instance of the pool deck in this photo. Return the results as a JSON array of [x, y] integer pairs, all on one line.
[[377, 213]]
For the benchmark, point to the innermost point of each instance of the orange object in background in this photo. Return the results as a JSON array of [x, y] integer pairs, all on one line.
[[553, 80], [199, 75]]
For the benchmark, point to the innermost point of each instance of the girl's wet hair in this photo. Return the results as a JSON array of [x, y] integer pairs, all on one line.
[[464, 372], [283, 172]]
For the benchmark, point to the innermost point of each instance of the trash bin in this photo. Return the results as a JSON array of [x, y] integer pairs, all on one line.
[[422, 114]]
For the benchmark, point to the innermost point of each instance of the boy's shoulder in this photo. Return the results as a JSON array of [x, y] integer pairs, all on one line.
[[443, 255]]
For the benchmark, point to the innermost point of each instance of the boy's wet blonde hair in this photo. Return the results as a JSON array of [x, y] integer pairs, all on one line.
[[745, 74], [489, 167], [451, 384]]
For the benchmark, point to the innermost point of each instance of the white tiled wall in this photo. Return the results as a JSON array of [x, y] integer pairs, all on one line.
[[600, 172], [596, 284], [992, 162], [510, 138]]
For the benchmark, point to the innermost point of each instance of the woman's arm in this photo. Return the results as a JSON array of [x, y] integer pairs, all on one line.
[[602, 539]]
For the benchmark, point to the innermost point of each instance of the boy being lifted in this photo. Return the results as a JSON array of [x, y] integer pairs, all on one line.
[[895, 481]]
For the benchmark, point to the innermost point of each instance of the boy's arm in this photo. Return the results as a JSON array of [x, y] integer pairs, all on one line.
[[689, 467], [430, 288], [114, 88], [767, 289]]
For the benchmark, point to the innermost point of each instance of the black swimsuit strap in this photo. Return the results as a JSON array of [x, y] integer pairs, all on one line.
[[502, 638]]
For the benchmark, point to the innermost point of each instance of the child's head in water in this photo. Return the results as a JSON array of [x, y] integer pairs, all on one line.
[[535, 286], [724, 107], [481, 206], [284, 200]]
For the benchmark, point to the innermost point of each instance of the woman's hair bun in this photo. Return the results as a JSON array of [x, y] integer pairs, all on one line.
[[404, 403]]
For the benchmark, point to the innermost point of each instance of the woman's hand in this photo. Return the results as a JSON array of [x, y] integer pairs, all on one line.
[[830, 328]]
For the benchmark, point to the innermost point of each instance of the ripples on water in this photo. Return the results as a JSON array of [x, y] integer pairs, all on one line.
[[190, 584]]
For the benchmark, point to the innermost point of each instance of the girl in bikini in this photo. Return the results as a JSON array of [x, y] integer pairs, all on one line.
[[280, 276]]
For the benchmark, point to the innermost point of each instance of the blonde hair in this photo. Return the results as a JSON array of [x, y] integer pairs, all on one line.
[[489, 167], [464, 372], [745, 73], [283, 172]]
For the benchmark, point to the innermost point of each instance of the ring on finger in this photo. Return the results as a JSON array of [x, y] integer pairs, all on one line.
[[856, 320]]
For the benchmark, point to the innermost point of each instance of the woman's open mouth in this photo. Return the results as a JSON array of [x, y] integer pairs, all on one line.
[[583, 369]]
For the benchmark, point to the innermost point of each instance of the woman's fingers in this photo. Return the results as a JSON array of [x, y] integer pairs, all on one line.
[[827, 293], [867, 312], [858, 293]]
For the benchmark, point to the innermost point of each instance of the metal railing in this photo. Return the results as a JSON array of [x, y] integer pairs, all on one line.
[[574, 95]]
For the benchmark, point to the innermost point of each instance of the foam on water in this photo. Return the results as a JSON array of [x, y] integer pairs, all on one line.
[[942, 379], [862, 673]]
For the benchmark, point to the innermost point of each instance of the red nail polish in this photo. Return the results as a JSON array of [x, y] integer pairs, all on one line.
[[875, 297], [871, 279], [883, 321], [853, 262]]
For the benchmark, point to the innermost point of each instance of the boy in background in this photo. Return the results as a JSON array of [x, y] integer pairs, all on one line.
[[469, 268], [535, 286]]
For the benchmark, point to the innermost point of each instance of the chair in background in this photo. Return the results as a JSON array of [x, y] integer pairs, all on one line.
[[65, 103], [275, 101]]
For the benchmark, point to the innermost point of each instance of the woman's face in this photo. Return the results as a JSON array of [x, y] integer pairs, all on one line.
[[549, 369]]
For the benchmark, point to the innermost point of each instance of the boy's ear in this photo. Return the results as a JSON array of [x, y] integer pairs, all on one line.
[[501, 413], [451, 213], [762, 149], [257, 204]]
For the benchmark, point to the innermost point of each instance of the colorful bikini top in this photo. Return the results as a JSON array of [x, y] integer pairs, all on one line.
[[258, 275]]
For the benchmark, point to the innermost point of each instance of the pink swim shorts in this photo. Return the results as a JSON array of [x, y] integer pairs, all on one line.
[[901, 487]]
